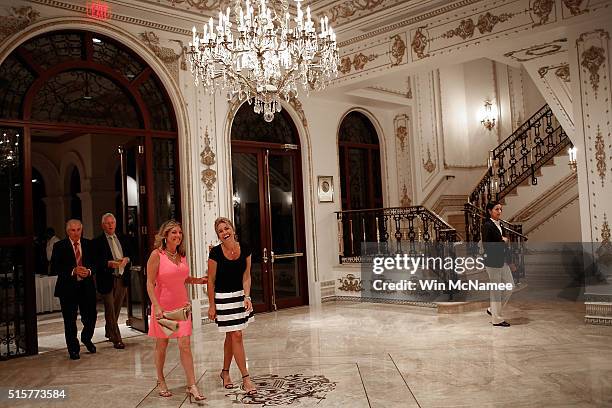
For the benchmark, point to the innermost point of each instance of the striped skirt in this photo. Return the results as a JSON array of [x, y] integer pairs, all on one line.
[[231, 313]]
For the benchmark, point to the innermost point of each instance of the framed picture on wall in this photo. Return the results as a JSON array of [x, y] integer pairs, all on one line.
[[326, 189]]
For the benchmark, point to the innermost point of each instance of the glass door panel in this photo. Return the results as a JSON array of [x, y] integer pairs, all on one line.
[[286, 252], [246, 171], [134, 213]]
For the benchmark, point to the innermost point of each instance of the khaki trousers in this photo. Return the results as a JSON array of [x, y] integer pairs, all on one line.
[[499, 298], [113, 301]]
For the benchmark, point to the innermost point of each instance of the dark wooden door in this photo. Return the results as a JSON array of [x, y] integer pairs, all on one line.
[[269, 214]]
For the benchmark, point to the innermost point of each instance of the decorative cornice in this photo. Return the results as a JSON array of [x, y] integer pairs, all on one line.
[[410, 21], [117, 17], [359, 62], [349, 8]]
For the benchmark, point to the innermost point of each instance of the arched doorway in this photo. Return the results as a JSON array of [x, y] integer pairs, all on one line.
[[269, 207], [74, 92]]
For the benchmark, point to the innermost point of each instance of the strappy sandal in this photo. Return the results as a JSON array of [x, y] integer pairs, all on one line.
[[163, 391], [192, 391], [229, 385], [250, 392]]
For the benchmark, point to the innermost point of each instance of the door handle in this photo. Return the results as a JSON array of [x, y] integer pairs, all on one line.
[[284, 256], [264, 258]]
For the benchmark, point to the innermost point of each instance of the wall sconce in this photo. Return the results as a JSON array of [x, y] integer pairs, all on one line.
[[488, 115], [573, 153]]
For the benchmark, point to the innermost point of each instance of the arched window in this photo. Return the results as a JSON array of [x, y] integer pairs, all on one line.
[[360, 174]]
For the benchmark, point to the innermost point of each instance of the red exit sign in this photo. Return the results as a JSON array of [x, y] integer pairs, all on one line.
[[98, 10]]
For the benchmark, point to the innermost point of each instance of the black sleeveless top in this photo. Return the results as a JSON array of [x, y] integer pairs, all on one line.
[[229, 273]]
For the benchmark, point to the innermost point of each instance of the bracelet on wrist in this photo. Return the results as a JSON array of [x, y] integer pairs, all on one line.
[[247, 297]]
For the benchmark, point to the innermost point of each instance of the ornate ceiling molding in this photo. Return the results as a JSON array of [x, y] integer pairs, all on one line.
[[18, 19], [115, 16]]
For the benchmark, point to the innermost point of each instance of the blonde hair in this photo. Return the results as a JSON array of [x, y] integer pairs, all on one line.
[[162, 234], [224, 220]]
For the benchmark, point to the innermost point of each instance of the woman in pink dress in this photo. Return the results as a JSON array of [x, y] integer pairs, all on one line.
[[167, 275]]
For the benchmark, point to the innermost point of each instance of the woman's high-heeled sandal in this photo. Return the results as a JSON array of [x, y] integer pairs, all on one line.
[[192, 391], [229, 385], [163, 391], [252, 391]]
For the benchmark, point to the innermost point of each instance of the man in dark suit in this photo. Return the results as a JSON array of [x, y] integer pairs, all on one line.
[[112, 278], [73, 261]]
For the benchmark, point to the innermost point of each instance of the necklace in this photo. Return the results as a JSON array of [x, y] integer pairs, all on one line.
[[232, 251], [172, 254]]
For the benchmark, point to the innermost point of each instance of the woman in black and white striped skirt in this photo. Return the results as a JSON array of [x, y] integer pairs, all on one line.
[[229, 288]]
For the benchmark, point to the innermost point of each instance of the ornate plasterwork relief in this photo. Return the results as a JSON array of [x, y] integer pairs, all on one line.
[[350, 283], [207, 157], [600, 156], [401, 124], [397, 51], [359, 62], [405, 201], [575, 7], [539, 50], [592, 57], [297, 106], [18, 19], [350, 9], [480, 24], [200, 5], [171, 60], [429, 165], [562, 71]]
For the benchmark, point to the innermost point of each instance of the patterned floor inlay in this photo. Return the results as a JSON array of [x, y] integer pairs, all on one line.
[[275, 390]]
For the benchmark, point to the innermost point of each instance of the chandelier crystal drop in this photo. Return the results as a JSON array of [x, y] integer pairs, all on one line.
[[265, 56]]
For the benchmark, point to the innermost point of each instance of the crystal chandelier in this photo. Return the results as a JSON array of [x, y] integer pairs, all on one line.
[[264, 56], [9, 149]]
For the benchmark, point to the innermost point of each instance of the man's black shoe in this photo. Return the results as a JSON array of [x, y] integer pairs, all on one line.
[[74, 356], [90, 347], [502, 324]]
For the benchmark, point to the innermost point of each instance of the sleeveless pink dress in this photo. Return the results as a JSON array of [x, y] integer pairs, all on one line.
[[171, 294]]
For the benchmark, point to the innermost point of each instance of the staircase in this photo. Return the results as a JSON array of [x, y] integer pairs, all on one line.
[[519, 159]]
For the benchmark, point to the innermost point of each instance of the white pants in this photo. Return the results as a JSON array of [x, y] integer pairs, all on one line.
[[499, 298]]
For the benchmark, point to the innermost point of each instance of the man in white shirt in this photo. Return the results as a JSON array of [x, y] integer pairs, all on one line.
[[112, 278]]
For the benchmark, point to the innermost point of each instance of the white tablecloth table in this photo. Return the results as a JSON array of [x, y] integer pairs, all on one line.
[[45, 301]]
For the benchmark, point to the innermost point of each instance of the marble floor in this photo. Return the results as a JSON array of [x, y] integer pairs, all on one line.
[[353, 355]]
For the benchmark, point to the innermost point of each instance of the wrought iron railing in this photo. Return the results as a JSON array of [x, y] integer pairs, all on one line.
[[397, 225], [474, 218], [519, 157]]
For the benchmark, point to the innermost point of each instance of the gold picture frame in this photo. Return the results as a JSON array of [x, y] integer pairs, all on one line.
[[325, 189]]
